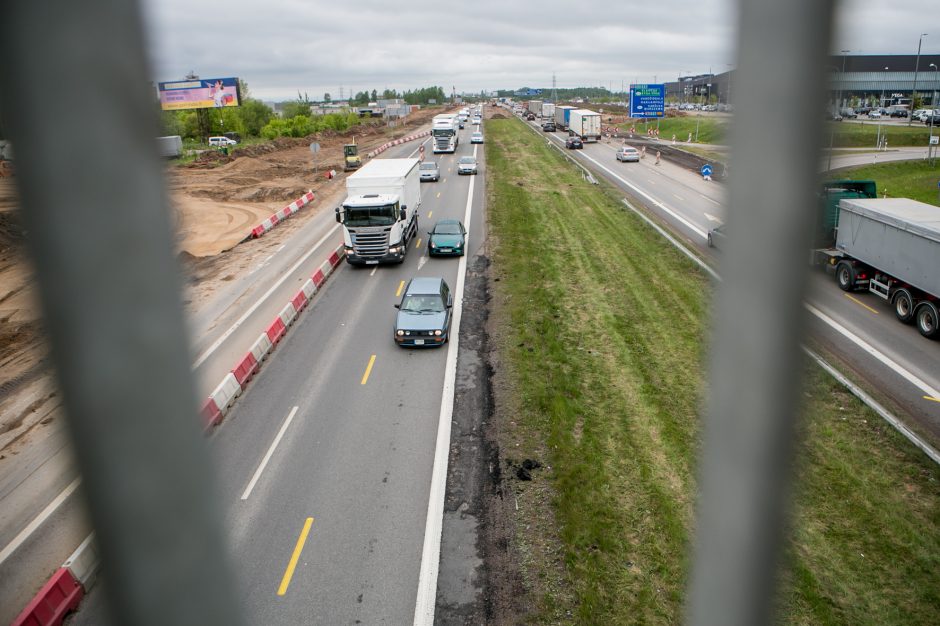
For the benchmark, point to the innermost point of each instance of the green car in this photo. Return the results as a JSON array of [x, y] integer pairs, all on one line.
[[448, 238]]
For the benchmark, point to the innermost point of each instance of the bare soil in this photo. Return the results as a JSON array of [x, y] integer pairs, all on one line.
[[216, 201]]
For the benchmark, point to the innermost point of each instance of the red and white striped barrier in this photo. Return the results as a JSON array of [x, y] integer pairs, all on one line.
[[281, 215], [397, 142], [234, 383]]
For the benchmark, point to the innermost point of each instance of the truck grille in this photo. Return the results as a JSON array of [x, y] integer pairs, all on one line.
[[443, 143], [370, 242]]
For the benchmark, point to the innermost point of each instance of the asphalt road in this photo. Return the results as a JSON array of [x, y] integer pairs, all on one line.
[[893, 359], [355, 419]]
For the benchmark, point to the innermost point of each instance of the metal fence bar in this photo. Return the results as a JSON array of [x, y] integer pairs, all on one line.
[[74, 93], [756, 362]]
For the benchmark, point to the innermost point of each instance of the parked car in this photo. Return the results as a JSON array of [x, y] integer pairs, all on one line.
[[716, 237], [429, 170], [221, 142], [448, 237], [548, 127], [920, 114], [573, 143], [874, 114], [627, 154], [933, 118], [849, 113], [900, 112], [467, 165], [476, 138], [424, 313]]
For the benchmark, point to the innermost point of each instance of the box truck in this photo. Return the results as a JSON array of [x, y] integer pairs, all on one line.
[[170, 147], [380, 212], [548, 110], [585, 124], [534, 106], [444, 129]]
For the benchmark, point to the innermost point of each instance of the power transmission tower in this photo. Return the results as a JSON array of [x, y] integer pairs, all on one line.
[[554, 90]]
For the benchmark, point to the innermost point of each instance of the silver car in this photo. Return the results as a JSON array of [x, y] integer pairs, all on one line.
[[476, 138], [429, 170], [467, 165], [628, 154]]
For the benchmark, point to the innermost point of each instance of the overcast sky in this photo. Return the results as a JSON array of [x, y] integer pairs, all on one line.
[[281, 46]]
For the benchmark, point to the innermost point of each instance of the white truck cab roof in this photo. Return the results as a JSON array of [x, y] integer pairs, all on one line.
[[370, 199]]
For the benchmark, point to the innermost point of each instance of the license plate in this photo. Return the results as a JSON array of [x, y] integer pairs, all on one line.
[[445, 250], [372, 262], [419, 342]]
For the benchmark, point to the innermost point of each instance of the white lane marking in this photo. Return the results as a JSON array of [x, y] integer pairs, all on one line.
[[713, 201], [372, 273], [281, 247], [678, 197], [433, 526], [267, 457], [38, 521], [698, 231], [254, 307], [710, 217], [874, 352], [422, 261]]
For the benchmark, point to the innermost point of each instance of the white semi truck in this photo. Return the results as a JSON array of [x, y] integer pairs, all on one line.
[[585, 124], [548, 110], [380, 212], [444, 130]]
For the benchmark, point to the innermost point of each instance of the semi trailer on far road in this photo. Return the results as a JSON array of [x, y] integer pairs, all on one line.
[[585, 124], [380, 212], [444, 129], [890, 247], [534, 107], [548, 110], [561, 116]]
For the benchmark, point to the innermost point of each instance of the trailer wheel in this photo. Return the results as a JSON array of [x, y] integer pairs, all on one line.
[[904, 306], [928, 320], [845, 276]]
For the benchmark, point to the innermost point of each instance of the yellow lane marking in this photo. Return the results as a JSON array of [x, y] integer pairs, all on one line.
[[445, 180], [401, 286], [860, 303], [430, 213], [289, 572], [365, 377], [932, 399], [418, 245]]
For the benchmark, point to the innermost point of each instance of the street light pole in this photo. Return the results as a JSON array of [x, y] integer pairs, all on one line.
[[881, 104], [936, 81], [916, 67], [842, 78]]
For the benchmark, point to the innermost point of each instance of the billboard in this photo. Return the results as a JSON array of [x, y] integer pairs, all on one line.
[[199, 93], [647, 100]]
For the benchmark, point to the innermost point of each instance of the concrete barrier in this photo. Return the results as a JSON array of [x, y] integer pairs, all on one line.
[[281, 215], [83, 563], [57, 598], [288, 314], [262, 347], [211, 413], [245, 369], [276, 331], [225, 393], [299, 301], [309, 288]]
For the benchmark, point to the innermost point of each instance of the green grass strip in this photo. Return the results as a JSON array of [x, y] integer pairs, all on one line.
[[602, 328]]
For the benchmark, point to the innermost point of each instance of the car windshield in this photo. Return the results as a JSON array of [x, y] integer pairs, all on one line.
[[429, 166], [447, 229], [385, 215], [422, 304], [467, 161]]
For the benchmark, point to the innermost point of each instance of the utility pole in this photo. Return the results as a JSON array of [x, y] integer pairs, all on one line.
[[842, 78], [920, 40]]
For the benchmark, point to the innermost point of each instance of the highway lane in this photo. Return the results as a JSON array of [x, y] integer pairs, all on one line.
[[357, 454], [42, 519], [692, 206]]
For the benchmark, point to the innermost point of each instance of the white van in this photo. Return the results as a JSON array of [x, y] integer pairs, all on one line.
[[221, 142]]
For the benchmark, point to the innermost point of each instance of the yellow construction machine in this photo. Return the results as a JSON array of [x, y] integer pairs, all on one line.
[[351, 160]]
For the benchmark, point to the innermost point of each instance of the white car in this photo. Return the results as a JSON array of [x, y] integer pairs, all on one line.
[[476, 138], [874, 114], [628, 154], [476, 121], [467, 165], [221, 142]]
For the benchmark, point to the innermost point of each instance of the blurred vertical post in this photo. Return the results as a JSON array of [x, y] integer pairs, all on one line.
[[75, 93], [758, 319]]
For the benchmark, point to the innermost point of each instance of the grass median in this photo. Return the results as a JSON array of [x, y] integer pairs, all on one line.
[[917, 180], [600, 333]]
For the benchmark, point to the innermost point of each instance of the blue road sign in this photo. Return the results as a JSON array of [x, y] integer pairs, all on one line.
[[647, 100], [706, 170]]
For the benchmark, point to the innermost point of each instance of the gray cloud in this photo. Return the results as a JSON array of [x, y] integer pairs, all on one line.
[[281, 47]]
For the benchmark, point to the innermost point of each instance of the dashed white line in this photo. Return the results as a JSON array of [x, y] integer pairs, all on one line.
[[710, 217], [267, 456], [24, 534]]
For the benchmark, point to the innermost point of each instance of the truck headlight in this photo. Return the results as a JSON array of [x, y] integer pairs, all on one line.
[[400, 333], [393, 250]]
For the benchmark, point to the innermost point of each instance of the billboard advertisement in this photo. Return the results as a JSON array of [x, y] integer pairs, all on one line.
[[647, 100], [199, 93]]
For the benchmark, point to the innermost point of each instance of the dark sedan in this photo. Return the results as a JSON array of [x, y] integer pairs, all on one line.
[[573, 143], [447, 238], [424, 313]]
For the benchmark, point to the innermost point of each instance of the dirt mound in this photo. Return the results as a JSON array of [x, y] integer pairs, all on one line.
[[498, 116], [11, 231]]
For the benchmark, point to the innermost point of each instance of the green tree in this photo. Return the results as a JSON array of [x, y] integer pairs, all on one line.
[[375, 95], [254, 116], [327, 98]]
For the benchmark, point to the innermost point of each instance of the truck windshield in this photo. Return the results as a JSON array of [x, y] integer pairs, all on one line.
[[385, 215], [443, 132]]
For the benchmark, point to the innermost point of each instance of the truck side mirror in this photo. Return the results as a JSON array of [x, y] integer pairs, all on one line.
[[339, 216], [403, 214], [397, 306]]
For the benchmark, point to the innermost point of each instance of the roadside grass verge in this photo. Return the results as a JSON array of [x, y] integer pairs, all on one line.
[[600, 330], [710, 129], [901, 179], [859, 135]]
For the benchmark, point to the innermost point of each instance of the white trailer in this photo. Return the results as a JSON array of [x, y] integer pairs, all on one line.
[[585, 124], [548, 110], [170, 147], [534, 106], [380, 212]]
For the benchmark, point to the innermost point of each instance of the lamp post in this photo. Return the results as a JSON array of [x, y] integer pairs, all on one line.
[[842, 77], [933, 96], [920, 40], [881, 104]]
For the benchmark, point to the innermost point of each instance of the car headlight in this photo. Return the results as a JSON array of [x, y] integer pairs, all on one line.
[[437, 333], [400, 333]]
